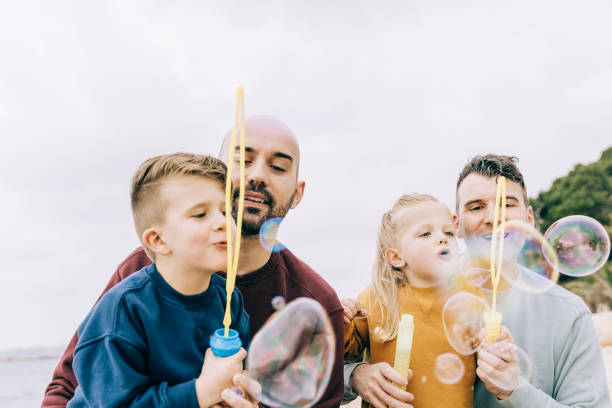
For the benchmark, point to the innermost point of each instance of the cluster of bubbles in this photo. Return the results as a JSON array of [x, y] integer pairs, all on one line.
[[294, 366], [268, 233], [292, 355], [463, 322], [531, 262], [528, 263]]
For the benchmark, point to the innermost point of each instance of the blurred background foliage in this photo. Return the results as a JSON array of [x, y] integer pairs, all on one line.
[[586, 190]]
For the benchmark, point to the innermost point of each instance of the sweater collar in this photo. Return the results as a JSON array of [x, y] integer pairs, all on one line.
[[262, 273], [174, 296]]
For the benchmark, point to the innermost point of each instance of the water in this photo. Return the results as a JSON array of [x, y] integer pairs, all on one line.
[[23, 382]]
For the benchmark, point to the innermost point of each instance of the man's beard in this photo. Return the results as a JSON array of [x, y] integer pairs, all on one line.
[[252, 226]]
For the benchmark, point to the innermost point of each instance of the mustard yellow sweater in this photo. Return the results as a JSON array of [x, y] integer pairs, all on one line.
[[428, 343]]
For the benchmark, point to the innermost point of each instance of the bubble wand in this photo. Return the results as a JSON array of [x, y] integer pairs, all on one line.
[[493, 318], [232, 261], [226, 342]]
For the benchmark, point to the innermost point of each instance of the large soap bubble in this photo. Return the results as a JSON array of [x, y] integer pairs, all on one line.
[[449, 368], [581, 244], [475, 265], [514, 355], [292, 355], [528, 263], [463, 321], [529, 260]]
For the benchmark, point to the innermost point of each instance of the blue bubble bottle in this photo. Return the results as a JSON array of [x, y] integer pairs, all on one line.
[[223, 346]]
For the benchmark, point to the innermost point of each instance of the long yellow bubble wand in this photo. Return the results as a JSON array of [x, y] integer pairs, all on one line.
[[232, 261], [493, 318]]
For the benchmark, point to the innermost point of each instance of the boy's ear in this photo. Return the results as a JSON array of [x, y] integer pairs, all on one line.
[[152, 239], [456, 223], [394, 258]]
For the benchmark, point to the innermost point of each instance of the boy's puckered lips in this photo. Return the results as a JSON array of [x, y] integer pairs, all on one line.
[[221, 244]]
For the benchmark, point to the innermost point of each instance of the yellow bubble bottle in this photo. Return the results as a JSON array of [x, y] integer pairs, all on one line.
[[403, 346], [492, 328]]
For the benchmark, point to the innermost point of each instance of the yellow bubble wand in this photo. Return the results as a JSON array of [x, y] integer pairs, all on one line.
[[493, 318], [232, 261]]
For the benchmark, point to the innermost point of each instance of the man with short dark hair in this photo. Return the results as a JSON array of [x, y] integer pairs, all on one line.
[[554, 328]]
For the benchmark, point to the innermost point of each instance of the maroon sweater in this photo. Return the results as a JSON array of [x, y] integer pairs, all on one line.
[[284, 275]]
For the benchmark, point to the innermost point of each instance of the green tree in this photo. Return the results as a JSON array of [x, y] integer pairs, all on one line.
[[586, 190]]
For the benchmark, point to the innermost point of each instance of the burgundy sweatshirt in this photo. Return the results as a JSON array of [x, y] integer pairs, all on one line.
[[283, 275]]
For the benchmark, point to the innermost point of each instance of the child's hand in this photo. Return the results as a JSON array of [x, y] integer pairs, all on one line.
[[245, 393], [352, 309], [217, 374]]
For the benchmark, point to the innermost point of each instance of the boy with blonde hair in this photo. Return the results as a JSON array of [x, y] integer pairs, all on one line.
[[144, 343]]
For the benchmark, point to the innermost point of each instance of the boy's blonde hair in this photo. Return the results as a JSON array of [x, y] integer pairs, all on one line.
[[385, 277], [148, 207]]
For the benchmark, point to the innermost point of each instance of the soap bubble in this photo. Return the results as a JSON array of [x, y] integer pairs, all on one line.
[[449, 368], [278, 302], [515, 356], [536, 268], [475, 265], [528, 263], [463, 320], [292, 355], [268, 233], [581, 244]]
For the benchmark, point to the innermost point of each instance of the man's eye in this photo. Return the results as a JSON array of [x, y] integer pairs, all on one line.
[[476, 208], [509, 205], [278, 169]]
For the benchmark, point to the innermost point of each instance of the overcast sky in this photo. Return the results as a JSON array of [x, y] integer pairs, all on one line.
[[385, 98]]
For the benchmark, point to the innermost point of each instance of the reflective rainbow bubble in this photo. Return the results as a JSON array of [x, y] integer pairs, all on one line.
[[475, 265], [268, 233], [516, 357], [449, 368], [292, 355], [581, 244], [529, 262], [463, 321]]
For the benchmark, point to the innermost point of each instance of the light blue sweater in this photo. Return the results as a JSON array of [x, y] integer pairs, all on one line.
[[556, 330]]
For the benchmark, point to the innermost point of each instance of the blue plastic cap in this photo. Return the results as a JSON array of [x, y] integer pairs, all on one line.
[[225, 346]]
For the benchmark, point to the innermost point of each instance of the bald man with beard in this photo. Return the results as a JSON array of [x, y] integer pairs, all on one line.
[[272, 189]]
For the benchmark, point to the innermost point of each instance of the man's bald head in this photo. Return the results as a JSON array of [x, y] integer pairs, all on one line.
[[271, 171], [270, 130]]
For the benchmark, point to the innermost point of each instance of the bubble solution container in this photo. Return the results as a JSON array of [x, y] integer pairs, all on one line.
[[403, 346], [225, 346], [492, 325]]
